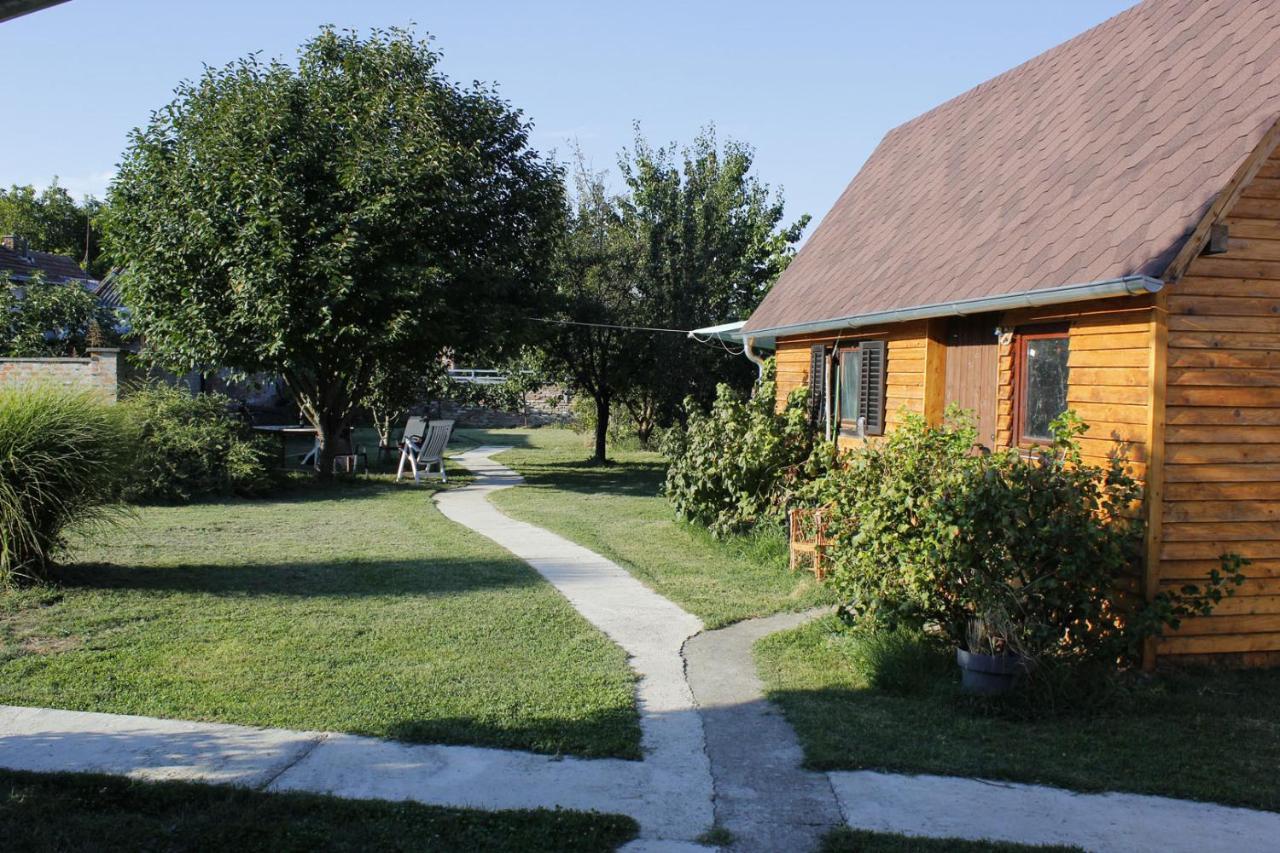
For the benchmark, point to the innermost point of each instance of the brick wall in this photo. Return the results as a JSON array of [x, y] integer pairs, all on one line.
[[101, 370]]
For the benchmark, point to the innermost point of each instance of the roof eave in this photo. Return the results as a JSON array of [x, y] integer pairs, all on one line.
[[1129, 285]]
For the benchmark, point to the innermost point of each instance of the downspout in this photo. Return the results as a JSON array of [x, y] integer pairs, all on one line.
[[749, 350]]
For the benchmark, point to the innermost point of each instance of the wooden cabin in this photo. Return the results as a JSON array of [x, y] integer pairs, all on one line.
[[1097, 229]]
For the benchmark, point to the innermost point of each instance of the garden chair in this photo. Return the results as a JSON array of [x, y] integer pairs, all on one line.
[[808, 539], [422, 451]]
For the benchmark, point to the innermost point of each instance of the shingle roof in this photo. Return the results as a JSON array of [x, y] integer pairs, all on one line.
[[56, 268], [1090, 162]]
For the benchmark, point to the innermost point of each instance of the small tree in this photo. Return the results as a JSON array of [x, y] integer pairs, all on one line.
[[588, 343], [328, 222], [38, 318], [711, 241]]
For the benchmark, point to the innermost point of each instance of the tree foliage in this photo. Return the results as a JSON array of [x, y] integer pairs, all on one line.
[[586, 341], [710, 242], [39, 318], [52, 221], [328, 221]]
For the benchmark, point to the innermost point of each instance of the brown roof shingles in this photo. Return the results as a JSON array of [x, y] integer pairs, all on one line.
[[56, 268], [1092, 161]]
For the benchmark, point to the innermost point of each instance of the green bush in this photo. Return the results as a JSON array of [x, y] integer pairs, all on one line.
[[193, 447], [63, 455], [734, 467], [1037, 556]]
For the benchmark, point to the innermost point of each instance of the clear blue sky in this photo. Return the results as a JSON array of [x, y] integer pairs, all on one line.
[[812, 85]]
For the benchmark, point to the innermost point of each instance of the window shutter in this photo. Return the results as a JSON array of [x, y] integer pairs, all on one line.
[[817, 381], [871, 394]]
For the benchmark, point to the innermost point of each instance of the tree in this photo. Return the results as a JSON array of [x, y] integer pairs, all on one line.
[[326, 221], [710, 245], [52, 221], [41, 319], [395, 387], [585, 344]]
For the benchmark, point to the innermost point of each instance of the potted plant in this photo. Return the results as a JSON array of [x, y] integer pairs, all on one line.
[[988, 663]]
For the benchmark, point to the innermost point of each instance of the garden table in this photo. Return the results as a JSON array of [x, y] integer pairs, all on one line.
[[284, 431]]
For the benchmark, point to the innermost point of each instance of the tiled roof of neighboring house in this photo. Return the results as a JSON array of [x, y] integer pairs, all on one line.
[[1090, 162], [20, 264], [108, 292]]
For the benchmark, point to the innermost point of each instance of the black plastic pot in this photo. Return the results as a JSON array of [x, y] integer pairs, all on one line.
[[988, 675]]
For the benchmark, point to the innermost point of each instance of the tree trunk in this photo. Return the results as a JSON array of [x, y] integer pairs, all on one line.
[[602, 428], [328, 408], [331, 429]]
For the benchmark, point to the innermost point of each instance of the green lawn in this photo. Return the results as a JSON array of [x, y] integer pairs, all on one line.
[[86, 813], [355, 607], [616, 510], [1199, 735]]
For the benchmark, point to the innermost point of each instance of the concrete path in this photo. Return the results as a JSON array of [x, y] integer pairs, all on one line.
[[47, 740], [942, 806], [647, 626], [762, 795]]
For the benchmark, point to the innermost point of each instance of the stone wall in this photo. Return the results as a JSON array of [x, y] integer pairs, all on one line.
[[102, 370], [548, 406]]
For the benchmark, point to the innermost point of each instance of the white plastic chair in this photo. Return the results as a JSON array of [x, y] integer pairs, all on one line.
[[421, 451]]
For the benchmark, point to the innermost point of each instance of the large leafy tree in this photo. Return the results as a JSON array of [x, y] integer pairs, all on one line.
[[325, 221], [53, 221], [711, 242], [588, 341]]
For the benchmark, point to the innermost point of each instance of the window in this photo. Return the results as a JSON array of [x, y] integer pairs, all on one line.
[[1042, 381], [859, 374], [849, 388]]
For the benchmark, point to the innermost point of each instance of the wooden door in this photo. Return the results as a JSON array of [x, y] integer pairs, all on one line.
[[972, 370]]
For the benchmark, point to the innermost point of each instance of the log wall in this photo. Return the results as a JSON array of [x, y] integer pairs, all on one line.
[[1222, 430]]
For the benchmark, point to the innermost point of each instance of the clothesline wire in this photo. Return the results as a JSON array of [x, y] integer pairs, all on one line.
[[709, 340]]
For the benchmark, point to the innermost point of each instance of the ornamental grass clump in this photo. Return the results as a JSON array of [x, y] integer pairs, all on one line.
[[63, 457]]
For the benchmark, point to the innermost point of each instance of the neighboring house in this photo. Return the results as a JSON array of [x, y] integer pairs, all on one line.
[[1097, 229], [19, 262]]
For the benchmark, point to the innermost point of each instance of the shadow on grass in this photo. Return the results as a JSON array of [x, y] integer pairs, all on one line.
[[468, 438], [608, 733], [66, 811], [345, 578], [631, 479]]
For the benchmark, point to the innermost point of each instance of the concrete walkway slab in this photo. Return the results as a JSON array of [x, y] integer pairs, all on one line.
[[48, 740], [762, 795], [649, 627], [947, 807]]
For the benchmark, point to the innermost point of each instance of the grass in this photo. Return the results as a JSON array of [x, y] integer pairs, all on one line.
[[616, 510], [859, 841], [1207, 735], [355, 607], [58, 812]]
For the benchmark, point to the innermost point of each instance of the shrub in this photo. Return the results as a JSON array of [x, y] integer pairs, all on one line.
[[63, 455], [1035, 556], [735, 466], [193, 447]]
